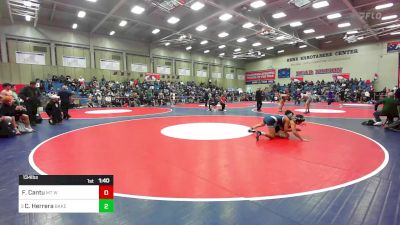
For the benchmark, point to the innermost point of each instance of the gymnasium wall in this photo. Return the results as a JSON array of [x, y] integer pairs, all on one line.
[[361, 61], [65, 42]]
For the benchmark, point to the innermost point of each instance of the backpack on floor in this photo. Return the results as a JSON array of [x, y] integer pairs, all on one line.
[[38, 118], [368, 123], [6, 130]]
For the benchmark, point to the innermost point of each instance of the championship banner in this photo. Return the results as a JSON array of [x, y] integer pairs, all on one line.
[[341, 76], [297, 79], [152, 76], [260, 77], [393, 46]]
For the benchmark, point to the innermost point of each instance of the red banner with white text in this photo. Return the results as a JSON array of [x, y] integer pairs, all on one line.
[[260, 77]]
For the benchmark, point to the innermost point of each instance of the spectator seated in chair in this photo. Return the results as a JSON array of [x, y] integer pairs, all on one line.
[[53, 110], [19, 118], [389, 109]]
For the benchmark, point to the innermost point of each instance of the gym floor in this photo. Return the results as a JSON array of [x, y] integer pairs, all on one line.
[[186, 165]]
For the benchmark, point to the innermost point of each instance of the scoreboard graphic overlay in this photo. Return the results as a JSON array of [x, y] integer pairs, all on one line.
[[66, 194]]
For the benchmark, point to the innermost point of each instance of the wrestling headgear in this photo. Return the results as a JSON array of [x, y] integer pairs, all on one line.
[[298, 119]]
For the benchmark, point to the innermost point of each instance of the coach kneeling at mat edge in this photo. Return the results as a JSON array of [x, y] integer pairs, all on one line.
[[389, 109]]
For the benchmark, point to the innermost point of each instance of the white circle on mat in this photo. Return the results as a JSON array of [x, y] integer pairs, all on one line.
[[321, 110], [108, 111], [206, 131], [363, 105], [204, 105]]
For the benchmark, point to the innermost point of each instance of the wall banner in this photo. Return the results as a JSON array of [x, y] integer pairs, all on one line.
[[260, 77]]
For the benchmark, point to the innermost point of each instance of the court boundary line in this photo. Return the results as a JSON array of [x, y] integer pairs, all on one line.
[[365, 177], [169, 110]]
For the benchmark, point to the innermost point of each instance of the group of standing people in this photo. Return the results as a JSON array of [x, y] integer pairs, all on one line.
[[19, 111], [212, 98]]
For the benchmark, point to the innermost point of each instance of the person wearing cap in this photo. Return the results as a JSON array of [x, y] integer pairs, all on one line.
[[31, 97], [280, 125], [53, 110]]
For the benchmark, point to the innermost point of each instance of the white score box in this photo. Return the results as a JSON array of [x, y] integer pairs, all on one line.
[[56, 192], [58, 206]]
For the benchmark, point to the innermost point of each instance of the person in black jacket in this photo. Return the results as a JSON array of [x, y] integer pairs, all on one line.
[[53, 110], [259, 99], [31, 96], [65, 97]]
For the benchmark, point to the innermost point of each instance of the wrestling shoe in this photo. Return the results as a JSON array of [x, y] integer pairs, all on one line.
[[258, 135]]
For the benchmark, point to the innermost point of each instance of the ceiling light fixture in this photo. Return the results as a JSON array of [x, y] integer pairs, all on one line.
[[137, 10], [341, 25], [389, 17], [280, 38], [309, 31], [123, 23], [167, 44], [320, 37], [279, 15], [112, 33], [296, 24], [197, 6], [237, 50], [206, 51], [270, 48], [222, 54], [223, 34], [248, 25], [173, 20], [384, 6], [201, 28], [257, 4], [352, 32], [204, 42], [221, 46], [322, 4], [28, 18], [256, 44], [240, 40], [188, 48], [225, 17], [281, 51], [74, 26], [156, 31], [81, 14], [395, 33], [334, 16]]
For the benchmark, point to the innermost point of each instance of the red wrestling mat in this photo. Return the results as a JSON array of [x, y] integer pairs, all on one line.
[[213, 158], [228, 105], [326, 112], [102, 113]]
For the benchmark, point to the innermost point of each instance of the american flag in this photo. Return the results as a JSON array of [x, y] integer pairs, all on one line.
[[393, 46]]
